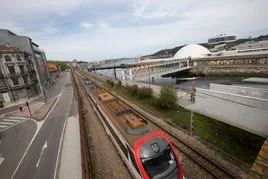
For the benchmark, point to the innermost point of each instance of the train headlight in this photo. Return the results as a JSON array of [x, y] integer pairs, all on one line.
[[155, 147]]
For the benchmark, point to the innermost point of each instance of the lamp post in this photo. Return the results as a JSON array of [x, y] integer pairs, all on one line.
[[149, 76]]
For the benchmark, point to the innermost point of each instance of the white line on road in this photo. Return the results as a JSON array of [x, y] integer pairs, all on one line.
[[1, 160], [11, 117], [36, 132], [43, 148], [13, 125], [11, 120], [62, 133], [3, 126], [6, 123]]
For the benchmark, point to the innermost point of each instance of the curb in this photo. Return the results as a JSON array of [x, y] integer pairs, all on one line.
[[44, 115]]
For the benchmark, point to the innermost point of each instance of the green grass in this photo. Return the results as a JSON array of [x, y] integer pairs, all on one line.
[[236, 142], [238, 74]]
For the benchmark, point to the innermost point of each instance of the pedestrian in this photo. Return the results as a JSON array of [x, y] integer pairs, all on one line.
[[21, 109]]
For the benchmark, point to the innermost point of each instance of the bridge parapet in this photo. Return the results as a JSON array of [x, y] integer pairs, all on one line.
[[142, 70]]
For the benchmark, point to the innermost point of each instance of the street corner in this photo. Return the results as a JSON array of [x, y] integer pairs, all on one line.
[[27, 111], [44, 109]]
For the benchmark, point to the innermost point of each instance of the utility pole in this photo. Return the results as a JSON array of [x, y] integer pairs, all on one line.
[[192, 113], [149, 76], [126, 76]]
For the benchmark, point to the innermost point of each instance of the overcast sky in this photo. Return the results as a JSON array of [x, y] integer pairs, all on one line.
[[102, 29]]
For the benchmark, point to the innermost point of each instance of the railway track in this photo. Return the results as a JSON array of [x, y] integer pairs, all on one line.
[[196, 156]]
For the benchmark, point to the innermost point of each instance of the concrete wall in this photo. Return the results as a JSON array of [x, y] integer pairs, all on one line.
[[233, 110], [244, 100], [240, 90]]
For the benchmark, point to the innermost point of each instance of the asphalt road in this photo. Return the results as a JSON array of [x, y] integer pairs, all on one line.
[[14, 140], [41, 157]]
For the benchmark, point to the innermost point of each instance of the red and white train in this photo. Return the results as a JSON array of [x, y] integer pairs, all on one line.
[[146, 152]]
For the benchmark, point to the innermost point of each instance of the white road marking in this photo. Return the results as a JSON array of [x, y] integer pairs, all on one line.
[[1, 160], [14, 124], [3, 126], [11, 120], [6, 123], [63, 130], [11, 117], [43, 148], [39, 125]]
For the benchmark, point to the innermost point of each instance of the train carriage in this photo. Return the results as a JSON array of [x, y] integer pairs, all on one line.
[[146, 152]]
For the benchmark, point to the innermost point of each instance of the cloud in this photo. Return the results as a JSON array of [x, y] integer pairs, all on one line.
[[86, 25], [95, 30]]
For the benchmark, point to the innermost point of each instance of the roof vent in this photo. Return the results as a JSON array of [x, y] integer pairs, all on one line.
[[133, 122]]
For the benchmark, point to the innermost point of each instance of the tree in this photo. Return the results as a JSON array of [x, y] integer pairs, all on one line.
[[62, 64], [167, 97]]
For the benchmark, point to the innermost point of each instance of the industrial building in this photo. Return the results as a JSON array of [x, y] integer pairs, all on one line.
[[222, 38]]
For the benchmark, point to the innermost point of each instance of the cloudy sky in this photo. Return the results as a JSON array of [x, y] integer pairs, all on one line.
[[101, 29]]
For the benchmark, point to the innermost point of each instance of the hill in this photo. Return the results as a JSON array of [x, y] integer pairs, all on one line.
[[171, 52]]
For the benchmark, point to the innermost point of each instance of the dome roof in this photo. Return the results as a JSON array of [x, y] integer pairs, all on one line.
[[193, 51]]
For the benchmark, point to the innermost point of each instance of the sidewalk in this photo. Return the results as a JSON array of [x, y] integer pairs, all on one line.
[[15, 106], [19, 102], [39, 110], [70, 166]]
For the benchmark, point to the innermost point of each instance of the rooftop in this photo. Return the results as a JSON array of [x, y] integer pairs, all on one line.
[[8, 49]]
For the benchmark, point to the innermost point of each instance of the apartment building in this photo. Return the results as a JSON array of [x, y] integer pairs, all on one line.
[[17, 74]]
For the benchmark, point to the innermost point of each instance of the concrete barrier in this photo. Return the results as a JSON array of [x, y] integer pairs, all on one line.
[[235, 98], [233, 109], [240, 90]]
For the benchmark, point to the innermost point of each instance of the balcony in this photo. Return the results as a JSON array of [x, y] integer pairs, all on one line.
[[13, 74]]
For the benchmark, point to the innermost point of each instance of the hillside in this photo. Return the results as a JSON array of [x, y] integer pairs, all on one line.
[[171, 52]]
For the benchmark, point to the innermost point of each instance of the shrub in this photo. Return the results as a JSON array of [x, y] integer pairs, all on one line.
[[133, 90], [109, 82], [119, 83], [145, 92], [167, 97]]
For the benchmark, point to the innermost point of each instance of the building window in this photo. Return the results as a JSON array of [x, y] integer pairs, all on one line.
[[21, 69], [11, 70], [8, 58], [2, 83], [25, 79], [15, 81], [18, 58]]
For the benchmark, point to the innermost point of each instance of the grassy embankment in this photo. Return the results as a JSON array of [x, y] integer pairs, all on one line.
[[238, 74], [236, 142]]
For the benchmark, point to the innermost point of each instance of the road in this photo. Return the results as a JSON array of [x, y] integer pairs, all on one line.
[[15, 136], [41, 157], [19, 136]]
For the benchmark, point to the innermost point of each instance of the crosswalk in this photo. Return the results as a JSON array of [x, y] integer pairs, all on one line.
[[9, 121]]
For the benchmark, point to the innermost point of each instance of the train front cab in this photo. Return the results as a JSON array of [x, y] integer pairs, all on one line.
[[156, 157]]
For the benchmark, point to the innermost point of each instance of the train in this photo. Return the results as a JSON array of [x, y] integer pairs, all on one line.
[[147, 153]]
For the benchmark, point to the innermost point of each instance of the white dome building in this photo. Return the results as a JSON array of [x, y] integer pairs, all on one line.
[[193, 51]]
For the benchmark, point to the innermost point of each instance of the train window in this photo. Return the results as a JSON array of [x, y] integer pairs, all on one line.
[[133, 160], [118, 141], [159, 164]]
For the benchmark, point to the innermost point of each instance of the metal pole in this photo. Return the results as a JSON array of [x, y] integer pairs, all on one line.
[[45, 95], [149, 76], [115, 73], [126, 77], [192, 113], [27, 104]]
